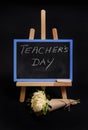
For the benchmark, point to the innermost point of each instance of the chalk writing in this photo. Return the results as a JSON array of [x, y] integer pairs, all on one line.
[[46, 63], [38, 51], [27, 49]]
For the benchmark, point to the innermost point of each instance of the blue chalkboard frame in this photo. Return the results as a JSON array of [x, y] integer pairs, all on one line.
[[15, 79]]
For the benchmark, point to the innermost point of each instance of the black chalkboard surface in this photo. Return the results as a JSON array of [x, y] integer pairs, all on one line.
[[42, 60]]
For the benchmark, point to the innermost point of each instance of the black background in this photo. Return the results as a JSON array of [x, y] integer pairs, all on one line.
[[71, 20]]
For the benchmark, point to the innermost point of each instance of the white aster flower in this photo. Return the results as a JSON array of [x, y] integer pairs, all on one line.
[[39, 101]]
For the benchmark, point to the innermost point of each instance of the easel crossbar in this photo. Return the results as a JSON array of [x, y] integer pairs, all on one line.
[[47, 84]]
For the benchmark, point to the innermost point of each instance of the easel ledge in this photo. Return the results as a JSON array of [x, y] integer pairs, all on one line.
[[47, 84]]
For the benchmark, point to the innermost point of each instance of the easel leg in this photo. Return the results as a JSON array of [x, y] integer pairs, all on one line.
[[22, 94], [23, 89], [43, 29], [55, 37], [63, 92]]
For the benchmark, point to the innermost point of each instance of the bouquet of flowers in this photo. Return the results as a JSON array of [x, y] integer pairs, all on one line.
[[40, 104]]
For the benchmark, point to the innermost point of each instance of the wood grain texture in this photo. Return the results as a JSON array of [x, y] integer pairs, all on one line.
[[63, 89], [47, 84], [23, 89], [43, 24]]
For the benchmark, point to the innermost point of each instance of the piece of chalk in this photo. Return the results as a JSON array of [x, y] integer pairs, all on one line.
[[64, 80]]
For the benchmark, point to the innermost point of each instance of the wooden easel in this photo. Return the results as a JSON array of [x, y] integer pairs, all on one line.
[[23, 85]]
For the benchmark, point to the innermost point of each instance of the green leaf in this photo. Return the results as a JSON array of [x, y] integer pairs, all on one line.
[[48, 97], [45, 110]]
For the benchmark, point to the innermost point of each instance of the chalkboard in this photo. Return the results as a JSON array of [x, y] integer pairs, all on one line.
[[42, 60]]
